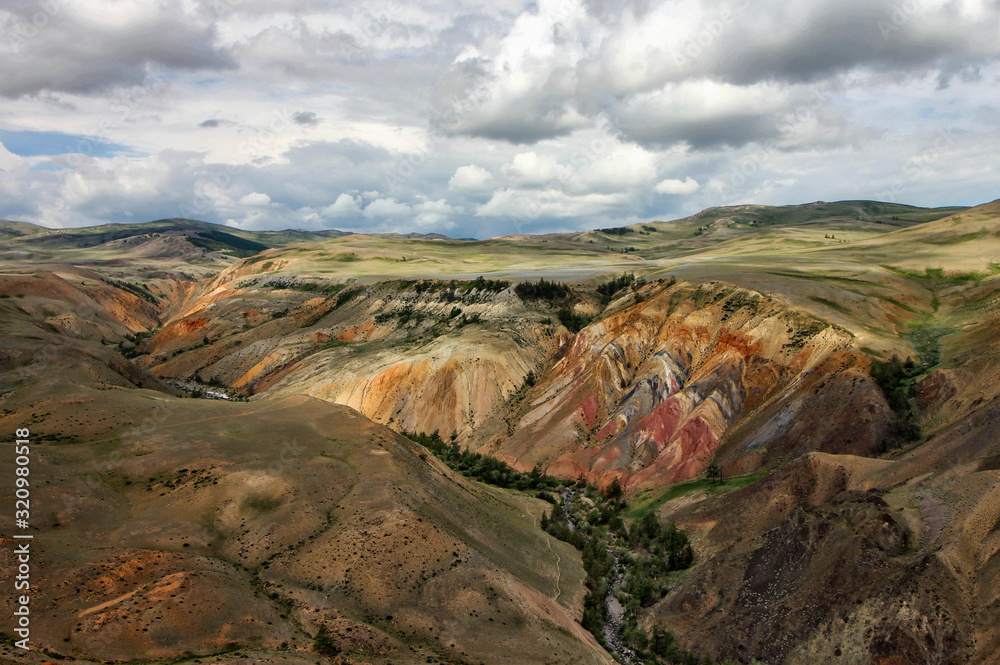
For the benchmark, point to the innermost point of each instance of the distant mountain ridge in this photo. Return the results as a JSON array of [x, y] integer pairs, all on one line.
[[774, 215]]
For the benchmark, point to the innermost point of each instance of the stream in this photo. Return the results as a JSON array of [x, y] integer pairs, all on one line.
[[567, 500], [191, 387], [613, 624]]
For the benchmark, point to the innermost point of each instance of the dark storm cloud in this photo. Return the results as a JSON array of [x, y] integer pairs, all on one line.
[[725, 131], [648, 48], [73, 53], [801, 42], [307, 118], [517, 125], [465, 91]]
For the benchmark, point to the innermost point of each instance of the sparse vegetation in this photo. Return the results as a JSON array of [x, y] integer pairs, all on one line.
[[264, 504], [402, 316], [629, 553], [140, 290], [610, 288], [347, 295], [802, 332], [479, 284], [650, 504], [956, 239], [220, 241], [305, 287], [136, 339], [939, 276], [835, 306], [254, 259], [740, 300]]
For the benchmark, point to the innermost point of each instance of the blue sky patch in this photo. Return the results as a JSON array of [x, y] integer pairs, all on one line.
[[34, 144], [50, 166]]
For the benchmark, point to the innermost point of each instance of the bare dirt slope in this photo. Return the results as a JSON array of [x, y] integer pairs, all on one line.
[[840, 558], [170, 527], [646, 393]]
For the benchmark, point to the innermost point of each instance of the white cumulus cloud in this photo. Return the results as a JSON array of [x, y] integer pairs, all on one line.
[[471, 179], [670, 186], [345, 206], [255, 200]]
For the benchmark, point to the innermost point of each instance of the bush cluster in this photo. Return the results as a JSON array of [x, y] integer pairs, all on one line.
[[612, 287], [483, 467], [896, 380], [454, 285], [140, 290], [543, 290]]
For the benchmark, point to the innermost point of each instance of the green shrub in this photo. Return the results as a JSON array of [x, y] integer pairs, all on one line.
[[897, 381], [324, 644], [612, 287], [573, 322]]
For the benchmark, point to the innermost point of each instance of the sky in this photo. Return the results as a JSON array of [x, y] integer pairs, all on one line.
[[481, 119]]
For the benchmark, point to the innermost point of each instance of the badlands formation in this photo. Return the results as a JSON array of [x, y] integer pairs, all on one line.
[[727, 371]]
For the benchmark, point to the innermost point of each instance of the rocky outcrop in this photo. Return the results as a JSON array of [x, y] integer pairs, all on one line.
[[658, 388], [841, 558], [668, 378], [445, 359], [453, 383], [827, 560]]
